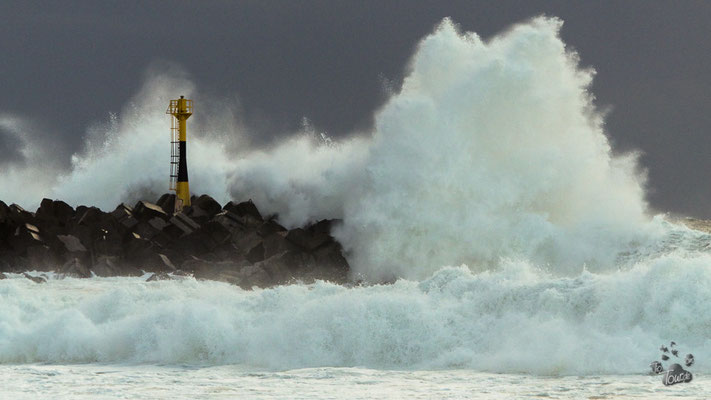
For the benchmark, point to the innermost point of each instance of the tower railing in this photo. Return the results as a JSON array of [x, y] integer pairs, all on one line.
[[174, 153], [174, 107]]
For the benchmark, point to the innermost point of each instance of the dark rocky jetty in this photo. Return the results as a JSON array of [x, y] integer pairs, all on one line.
[[234, 243]]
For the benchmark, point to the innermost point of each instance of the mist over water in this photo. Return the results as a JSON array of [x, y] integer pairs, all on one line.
[[487, 187]]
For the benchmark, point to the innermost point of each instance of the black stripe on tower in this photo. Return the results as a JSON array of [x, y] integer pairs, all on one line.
[[182, 164]]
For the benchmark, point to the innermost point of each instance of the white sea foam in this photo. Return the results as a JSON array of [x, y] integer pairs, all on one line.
[[515, 319]]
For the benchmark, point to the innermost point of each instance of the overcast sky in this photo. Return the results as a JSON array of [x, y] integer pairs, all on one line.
[[67, 64]]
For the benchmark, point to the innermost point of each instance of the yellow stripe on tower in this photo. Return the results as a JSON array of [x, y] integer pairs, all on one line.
[[181, 109]]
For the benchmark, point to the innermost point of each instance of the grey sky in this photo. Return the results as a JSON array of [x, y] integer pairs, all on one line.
[[10, 151], [67, 64]]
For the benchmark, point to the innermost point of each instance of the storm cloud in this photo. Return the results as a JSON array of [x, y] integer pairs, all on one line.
[[67, 66]]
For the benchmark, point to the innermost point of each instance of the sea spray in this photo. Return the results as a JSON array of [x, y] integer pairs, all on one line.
[[132, 155], [491, 150], [127, 157], [26, 175]]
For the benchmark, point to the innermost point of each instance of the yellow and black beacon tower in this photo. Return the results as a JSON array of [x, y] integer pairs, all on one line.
[[181, 109]]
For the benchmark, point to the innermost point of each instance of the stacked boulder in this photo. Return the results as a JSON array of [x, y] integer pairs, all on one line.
[[234, 243]]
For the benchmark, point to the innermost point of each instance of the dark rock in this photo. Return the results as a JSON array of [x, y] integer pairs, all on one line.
[[324, 226], [244, 209], [331, 255], [71, 244], [5, 266], [269, 227], [75, 267], [203, 207], [157, 262], [159, 276], [157, 223], [7, 225], [122, 210], [40, 258], [15, 263], [193, 264], [4, 211], [233, 244], [144, 254], [54, 212], [307, 239], [225, 271], [70, 248], [19, 215], [254, 275], [215, 231], [153, 231], [84, 233], [26, 235], [130, 271], [102, 233], [124, 215], [276, 243], [113, 266], [128, 223], [91, 217], [45, 209], [330, 264], [79, 212], [230, 221], [256, 253], [136, 249], [224, 252], [180, 224], [143, 211], [35, 279], [163, 241], [146, 230], [107, 242], [167, 203], [62, 211], [245, 241], [2, 276], [231, 277], [283, 267], [204, 269], [206, 239], [106, 266]]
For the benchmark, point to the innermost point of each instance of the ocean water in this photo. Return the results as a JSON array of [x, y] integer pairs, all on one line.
[[522, 257], [512, 333], [97, 381]]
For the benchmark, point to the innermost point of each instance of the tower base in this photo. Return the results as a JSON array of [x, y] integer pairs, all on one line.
[[182, 196]]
